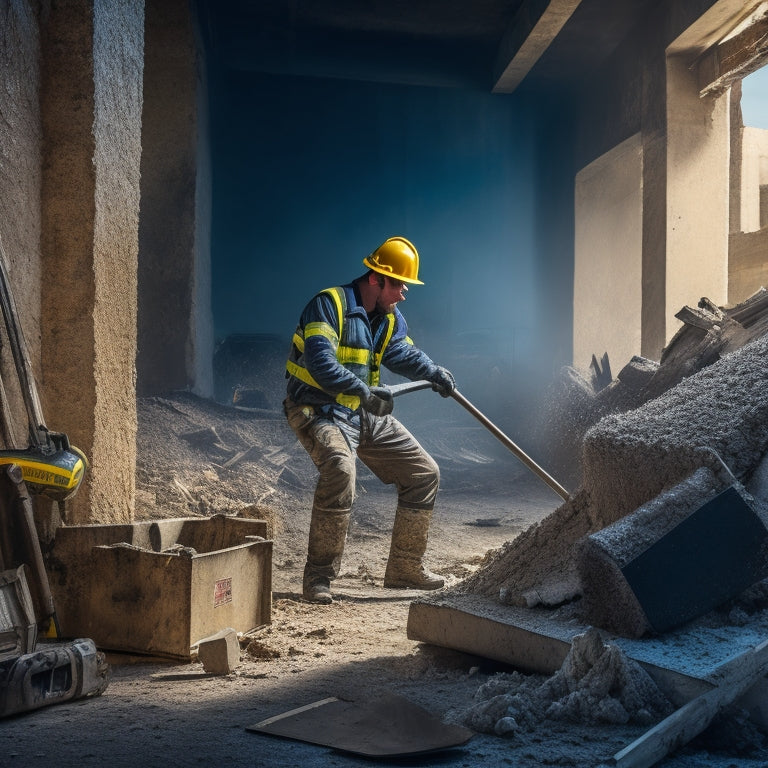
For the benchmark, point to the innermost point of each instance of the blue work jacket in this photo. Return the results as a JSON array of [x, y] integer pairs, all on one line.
[[338, 350]]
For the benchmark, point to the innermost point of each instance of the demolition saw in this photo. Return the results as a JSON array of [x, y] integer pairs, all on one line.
[[414, 386]]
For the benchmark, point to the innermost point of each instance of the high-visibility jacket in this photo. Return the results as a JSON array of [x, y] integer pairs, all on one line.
[[337, 351]]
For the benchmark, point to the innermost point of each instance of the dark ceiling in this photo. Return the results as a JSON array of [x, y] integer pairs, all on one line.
[[490, 45]]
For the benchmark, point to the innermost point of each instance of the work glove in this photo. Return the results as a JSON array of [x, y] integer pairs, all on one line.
[[379, 401], [443, 381]]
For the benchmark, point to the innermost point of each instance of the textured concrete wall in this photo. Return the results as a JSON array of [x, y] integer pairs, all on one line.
[[608, 254], [20, 148], [203, 314], [748, 269], [91, 107], [175, 323]]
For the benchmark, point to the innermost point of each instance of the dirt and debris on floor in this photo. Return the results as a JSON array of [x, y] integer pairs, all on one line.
[[597, 684]]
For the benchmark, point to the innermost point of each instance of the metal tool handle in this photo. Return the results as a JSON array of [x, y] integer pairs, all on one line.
[[413, 386], [408, 386], [522, 455]]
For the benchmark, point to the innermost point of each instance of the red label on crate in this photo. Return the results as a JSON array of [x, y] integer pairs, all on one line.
[[222, 592]]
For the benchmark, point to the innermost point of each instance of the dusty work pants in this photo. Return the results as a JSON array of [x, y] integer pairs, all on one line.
[[332, 437]]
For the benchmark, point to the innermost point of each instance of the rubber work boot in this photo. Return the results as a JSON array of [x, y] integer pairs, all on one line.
[[318, 591], [327, 536], [405, 569]]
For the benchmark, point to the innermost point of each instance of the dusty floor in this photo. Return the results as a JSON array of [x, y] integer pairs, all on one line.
[[167, 714]]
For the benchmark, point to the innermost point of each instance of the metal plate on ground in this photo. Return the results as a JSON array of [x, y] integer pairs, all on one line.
[[390, 726]]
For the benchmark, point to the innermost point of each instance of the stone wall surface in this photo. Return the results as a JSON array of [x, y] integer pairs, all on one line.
[[20, 148]]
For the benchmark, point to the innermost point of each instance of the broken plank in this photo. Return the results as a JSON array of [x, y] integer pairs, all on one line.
[[240, 456], [699, 319], [736, 677]]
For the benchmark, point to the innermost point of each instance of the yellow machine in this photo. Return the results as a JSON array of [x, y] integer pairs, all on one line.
[[34, 674], [56, 474]]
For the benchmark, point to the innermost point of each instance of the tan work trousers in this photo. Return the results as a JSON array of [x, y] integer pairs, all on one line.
[[332, 438]]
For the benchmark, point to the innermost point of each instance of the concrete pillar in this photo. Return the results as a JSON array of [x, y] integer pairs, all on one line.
[[92, 54], [698, 155], [653, 129], [654, 243], [175, 320]]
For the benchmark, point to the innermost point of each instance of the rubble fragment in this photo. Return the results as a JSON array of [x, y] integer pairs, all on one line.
[[680, 555], [575, 402], [220, 653]]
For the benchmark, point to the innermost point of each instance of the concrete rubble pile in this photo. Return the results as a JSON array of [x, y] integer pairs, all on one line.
[[668, 525], [645, 471], [575, 402]]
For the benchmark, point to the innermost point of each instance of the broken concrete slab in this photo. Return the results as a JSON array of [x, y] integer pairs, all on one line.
[[219, 653], [630, 458], [572, 405], [735, 677], [681, 555], [683, 664]]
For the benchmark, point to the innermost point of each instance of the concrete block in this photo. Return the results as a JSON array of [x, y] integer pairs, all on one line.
[[219, 653], [674, 559]]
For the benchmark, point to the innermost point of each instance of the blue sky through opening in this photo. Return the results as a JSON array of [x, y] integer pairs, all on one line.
[[754, 99]]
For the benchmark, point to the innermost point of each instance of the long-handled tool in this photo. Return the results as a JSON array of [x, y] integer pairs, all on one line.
[[414, 386], [49, 465]]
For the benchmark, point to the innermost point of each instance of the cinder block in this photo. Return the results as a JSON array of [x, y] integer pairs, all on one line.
[[219, 653]]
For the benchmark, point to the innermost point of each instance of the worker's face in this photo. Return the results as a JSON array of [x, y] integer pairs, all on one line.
[[390, 293]]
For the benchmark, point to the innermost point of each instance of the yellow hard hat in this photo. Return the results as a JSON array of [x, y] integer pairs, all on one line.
[[396, 257]]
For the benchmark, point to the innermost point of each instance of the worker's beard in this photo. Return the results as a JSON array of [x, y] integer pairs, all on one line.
[[385, 309]]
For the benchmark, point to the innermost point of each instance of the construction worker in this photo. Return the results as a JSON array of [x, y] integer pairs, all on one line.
[[338, 410]]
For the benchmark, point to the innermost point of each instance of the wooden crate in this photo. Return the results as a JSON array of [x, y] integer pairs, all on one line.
[[157, 587]]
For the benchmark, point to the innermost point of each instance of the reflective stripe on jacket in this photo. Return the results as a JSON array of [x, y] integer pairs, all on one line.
[[337, 351]]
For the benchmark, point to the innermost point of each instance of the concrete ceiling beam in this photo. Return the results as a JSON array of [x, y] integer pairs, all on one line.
[[734, 57], [534, 27]]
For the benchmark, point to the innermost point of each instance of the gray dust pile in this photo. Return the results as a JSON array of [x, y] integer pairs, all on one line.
[[596, 685]]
